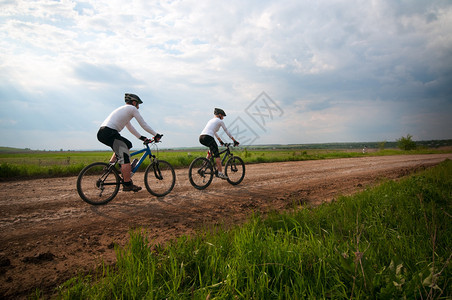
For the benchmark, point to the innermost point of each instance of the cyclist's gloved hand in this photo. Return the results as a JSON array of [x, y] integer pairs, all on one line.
[[157, 137], [145, 140], [236, 143]]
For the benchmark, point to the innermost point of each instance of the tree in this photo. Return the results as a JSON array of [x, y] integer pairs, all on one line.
[[406, 143]]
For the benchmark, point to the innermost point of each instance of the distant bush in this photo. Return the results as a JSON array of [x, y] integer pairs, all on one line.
[[8, 171], [406, 143], [381, 145]]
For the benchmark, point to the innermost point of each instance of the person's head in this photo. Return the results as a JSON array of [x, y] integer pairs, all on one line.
[[219, 113], [133, 99]]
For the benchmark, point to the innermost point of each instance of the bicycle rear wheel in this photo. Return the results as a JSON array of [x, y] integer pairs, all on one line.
[[200, 173], [159, 178], [98, 184], [235, 170]]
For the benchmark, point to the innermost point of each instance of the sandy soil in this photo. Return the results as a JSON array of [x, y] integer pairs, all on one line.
[[48, 234]]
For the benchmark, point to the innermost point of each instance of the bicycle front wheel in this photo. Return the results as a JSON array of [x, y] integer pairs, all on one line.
[[200, 173], [98, 184], [235, 170], [159, 178]]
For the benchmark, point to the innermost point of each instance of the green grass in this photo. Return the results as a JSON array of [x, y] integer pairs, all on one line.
[[46, 164], [35, 164], [393, 241]]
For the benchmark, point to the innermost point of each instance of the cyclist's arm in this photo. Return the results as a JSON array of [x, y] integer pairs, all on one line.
[[143, 124], [133, 130], [227, 131], [218, 138]]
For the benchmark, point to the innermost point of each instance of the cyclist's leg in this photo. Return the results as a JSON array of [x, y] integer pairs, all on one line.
[[121, 147], [126, 170], [216, 154], [113, 158], [107, 136], [218, 162], [122, 153], [209, 141]]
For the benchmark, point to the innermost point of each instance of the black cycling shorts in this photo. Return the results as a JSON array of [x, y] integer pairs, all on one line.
[[209, 141], [118, 143]]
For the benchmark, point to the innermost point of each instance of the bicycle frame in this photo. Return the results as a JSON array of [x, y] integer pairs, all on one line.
[[147, 153], [224, 159]]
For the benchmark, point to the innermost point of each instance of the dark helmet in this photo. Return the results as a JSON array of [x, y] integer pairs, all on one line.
[[128, 98], [218, 111]]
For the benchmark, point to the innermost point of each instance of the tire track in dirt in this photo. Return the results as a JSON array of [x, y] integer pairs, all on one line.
[[48, 234]]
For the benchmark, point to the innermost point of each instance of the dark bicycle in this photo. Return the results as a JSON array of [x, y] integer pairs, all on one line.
[[99, 182], [202, 169]]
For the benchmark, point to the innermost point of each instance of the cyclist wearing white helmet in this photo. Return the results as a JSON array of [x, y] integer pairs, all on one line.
[[210, 131], [108, 134]]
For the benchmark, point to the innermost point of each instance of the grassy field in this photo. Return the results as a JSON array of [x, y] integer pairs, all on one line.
[[37, 164], [389, 242]]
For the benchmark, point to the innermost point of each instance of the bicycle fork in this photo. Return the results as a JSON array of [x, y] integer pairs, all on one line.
[[157, 171]]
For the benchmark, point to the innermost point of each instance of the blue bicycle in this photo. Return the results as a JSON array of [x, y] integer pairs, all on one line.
[[99, 182]]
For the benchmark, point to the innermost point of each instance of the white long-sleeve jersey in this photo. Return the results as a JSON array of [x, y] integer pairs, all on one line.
[[213, 126], [121, 117]]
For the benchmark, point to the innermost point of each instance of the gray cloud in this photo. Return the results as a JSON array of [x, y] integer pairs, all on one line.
[[325, 62], [110, 74]]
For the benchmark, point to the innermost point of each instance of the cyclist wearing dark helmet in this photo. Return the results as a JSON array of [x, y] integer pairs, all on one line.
[[108, 134], [210, 131]]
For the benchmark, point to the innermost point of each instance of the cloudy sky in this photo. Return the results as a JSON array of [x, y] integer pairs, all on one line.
[[287, 72]]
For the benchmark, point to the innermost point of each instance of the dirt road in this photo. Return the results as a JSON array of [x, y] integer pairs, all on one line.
[[48, 234]]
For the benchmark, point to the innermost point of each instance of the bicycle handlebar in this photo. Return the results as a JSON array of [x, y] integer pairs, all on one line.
[[229, 145], [149, 141]]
